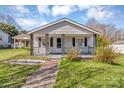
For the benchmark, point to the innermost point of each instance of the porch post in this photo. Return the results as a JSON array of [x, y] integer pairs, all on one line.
[[14, 43], [63, 43], [31, 44], [20, 45], [25, 44], [94, 40], [47, 43]]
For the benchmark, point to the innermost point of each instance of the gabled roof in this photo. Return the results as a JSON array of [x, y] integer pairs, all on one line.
[[67, 20], [21, 36]]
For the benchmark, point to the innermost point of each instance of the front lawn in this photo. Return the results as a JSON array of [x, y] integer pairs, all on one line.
[[15, 54], [90, 74], [6, 54], [13, 75]]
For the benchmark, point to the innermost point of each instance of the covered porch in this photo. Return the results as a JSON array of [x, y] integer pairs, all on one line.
[[21, 41], [60, 44]]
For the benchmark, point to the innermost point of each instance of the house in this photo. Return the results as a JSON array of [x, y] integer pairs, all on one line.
[[21, 41], [4, 39], [60, 36]]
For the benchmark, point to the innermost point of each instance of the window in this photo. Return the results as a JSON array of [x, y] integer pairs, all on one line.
[[58, 42], [51, 42], [85, 42], [39, 42], [73, 42]]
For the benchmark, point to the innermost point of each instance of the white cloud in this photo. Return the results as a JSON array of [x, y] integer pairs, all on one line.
[[30, 23], [62, 10], [99, 13], [20, 8], [43, 23], [43, 9]]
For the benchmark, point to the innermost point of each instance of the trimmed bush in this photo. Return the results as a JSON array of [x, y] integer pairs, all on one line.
[[105, 54], [73, 55]]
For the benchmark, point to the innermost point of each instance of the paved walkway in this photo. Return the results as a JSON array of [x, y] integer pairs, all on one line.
[[27, 61], [45, 77]]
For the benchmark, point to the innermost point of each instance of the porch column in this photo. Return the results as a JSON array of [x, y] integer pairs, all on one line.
[[14, 44], [25, 44], [20, 45], [94, 40], [47, 43], [31, 44], [63, 43]]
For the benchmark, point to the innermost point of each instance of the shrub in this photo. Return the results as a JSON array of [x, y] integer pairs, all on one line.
[[73, 55], [105, 54], [102, 41]]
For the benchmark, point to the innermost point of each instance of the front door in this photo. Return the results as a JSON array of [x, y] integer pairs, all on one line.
[[58, 45]]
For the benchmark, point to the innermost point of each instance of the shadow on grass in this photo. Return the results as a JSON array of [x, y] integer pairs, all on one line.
[[16, 56], [116, 64]]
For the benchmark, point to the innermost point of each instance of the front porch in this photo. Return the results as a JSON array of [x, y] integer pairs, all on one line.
[[60, 44]]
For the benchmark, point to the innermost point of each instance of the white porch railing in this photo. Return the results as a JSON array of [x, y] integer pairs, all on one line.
[[82, 50], [43, 51], [39, 51]]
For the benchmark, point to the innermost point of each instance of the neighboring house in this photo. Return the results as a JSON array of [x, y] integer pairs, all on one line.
[[119, 46], [60, 36], [4, 39], [21, 41]]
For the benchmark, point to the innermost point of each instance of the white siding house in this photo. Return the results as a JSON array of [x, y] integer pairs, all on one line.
[[60, 36], [4, 39]]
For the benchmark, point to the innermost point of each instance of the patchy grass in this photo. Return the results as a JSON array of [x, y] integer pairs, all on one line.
[[90, 74], [14, 76]]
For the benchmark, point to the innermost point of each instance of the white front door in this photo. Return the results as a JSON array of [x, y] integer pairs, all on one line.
[[58, 45]]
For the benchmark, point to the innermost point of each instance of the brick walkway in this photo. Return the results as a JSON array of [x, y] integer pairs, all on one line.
[[45, 77]]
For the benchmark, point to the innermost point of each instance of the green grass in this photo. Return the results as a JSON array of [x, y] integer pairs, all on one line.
[[90, 74], [6, 54], [12, 75], [15, 54]]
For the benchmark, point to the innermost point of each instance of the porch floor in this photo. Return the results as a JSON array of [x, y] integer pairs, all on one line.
[[58, 56]]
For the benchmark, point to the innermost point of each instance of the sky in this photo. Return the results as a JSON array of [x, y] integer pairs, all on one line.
[[30, 17]]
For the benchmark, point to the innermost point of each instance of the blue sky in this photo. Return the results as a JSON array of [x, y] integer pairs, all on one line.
[[29, 17]]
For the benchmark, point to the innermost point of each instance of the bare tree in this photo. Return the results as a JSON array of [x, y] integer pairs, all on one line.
[[108, 30]]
